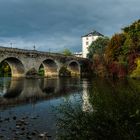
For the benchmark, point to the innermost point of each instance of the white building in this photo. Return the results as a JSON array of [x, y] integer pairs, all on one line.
[[87, 40], [78, 54]]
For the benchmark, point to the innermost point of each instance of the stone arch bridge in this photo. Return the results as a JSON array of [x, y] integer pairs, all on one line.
[[22, 61]]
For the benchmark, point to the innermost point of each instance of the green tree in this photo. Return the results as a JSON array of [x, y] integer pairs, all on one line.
[[64, 72], [96, 54], [136, 72], [98, 47], [5, 69], [67, 52], [132, 34]]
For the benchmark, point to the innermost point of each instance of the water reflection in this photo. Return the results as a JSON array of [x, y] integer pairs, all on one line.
[[104, 109], [115, 115], [13, 90], [86, 104], [49, 86], [4, 83]]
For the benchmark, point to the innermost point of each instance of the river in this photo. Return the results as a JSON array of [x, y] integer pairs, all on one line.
[[28, 107]]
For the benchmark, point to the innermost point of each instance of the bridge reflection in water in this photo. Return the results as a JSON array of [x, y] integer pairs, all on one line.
[[22, 90]]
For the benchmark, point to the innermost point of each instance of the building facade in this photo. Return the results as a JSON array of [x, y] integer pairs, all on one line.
[[87, 40], [78, 54]]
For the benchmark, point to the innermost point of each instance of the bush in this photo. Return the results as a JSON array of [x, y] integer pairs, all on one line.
[[64, 72]]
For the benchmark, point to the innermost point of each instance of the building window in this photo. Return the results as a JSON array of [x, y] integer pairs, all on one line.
[[86, 43], [87, 38]]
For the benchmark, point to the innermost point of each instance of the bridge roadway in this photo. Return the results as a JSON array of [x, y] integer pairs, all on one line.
[[21, 61]]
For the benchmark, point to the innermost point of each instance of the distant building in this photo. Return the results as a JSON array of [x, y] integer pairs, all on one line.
[[87, 40], [78, 54]]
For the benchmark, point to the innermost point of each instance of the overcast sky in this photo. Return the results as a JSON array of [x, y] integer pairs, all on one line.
[[59, 24]]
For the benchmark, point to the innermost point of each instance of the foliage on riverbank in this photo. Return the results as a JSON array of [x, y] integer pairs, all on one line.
[[136, 72], [115, 114], [64, 72], [119, 54], [5, 69]]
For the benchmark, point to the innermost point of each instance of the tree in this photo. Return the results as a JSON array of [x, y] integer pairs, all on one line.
[[132, 34], [67, 52], [96, 54], [5, 69], [114, 49], [64, 72], [136, 72], [98, 47]]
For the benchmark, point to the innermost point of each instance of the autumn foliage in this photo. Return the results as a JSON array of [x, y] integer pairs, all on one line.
[[120, 53]]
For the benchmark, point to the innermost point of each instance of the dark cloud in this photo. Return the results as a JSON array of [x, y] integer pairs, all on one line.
[[60, 24]]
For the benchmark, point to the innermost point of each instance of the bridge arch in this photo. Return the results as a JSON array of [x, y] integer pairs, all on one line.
[[16, 66], [50, 67], [74, 67]]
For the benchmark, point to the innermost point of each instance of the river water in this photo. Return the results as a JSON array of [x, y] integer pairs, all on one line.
[[28, 107]]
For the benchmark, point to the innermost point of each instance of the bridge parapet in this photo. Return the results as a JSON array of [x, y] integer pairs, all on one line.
[[35, 52]]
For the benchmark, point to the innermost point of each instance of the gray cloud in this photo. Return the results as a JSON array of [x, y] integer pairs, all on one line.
[[60, 24]]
